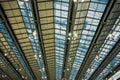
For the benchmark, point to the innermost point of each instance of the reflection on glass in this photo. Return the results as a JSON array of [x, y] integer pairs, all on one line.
[[60, 19], [88, 28], [109, 42], [13, 47], [32, 33], [115, 61]]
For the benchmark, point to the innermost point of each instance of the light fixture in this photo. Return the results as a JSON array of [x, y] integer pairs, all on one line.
[[69, 34], [82, 0], [97, 57], [39, 56], [111, 37], [34, 33], [74, 0], [75, 34], [35, 56], [45, 77], [43, 69], [23, 77], [20, 69], [88, 70], [5, 54], [35, 37], [68, 38], [67, 69]]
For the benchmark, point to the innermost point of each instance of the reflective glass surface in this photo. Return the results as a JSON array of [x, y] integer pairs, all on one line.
[[90, 21], [32, 33], [115, 61], [15, 50], [109, 42], [61, 16]]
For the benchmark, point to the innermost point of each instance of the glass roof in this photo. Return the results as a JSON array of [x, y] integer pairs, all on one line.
[[32, 33], [115, 61], [55, 36], [105, 48], [10, 42], [60, 19], [87, 31]]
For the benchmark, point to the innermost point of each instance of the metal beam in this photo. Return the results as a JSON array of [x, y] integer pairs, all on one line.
[[90, 55], [67, 42], [39, 32], [9, 65], [114, 51], [16, 42], [114, 70]]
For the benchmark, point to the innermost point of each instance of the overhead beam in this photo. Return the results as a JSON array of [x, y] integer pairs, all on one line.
[[114, 51], [67, 42], [9, 65], [39, 32], [90, 55], [16, 42], [114, 70]]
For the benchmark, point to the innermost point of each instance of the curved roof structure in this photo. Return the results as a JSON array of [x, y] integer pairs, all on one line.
[[59, 39]]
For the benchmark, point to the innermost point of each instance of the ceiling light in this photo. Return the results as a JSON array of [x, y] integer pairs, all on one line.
[[88, 70], [22, 76], [20, 69], [82, 0], [74, 0], [5, 75], [69, 34], [34, 33], [45, 77], [67, 69], [26, 0], [68, 38], [97, 57], [111, 37], [35, 37], [43, 69], [39, 56], [5, 54], [35, 56], [75, 34]]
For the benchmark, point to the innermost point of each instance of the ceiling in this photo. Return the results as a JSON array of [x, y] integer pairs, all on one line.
[[59, 39]]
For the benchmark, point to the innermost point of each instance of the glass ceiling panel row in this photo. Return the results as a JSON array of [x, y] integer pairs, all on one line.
[[7, 51], [108, 44], [46, 16], [33, 37], [90, 21], [60, 19], [13, 47], [114, 62], [6, 69]]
